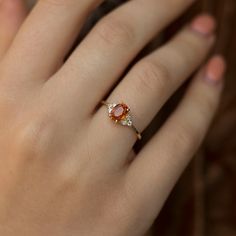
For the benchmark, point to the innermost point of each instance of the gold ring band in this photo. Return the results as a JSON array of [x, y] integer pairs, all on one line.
[[120, 113]]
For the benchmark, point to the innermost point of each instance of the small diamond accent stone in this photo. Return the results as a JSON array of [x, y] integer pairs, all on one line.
[[127, 121]]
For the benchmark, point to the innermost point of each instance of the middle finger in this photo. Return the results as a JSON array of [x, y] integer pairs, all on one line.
[[110, 47]]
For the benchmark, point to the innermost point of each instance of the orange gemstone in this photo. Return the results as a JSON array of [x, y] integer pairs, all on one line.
[[119, 112]]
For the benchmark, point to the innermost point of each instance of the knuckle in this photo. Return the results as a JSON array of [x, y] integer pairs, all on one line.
[[112, 30], [206, 107], [193, 49], [189, 135], [188, 50], [34, 137], [151, 75], [187, 138], [209, 101]]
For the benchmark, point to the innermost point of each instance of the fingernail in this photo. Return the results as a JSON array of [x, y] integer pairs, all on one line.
[[204, 25], [215, 70]]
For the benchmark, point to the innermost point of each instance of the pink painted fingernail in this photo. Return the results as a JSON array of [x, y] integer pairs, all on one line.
[[215, 70], [204, 25]]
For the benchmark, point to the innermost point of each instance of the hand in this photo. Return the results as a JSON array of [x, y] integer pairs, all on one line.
[[66, 169]]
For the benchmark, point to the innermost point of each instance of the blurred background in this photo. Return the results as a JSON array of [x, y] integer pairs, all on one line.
[[203, 202]]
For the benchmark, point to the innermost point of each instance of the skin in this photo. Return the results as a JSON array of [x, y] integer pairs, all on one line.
[[65, 167]]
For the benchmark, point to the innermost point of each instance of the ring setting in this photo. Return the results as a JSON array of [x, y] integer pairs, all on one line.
[[120, 113]]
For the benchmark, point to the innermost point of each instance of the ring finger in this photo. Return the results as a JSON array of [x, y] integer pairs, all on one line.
[[154, 79]]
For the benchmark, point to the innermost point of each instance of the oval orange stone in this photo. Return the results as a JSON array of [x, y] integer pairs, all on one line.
[[119, 112]]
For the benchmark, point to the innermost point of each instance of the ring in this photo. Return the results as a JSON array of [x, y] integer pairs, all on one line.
[[120, 113]]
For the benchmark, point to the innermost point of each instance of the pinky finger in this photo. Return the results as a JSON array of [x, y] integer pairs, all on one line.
[[153, 174], [12, 14]]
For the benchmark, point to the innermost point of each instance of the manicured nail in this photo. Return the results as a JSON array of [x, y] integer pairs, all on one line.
[[215, 70], [204, 25]]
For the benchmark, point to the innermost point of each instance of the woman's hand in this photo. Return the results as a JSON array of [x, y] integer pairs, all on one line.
[[66, 169]]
